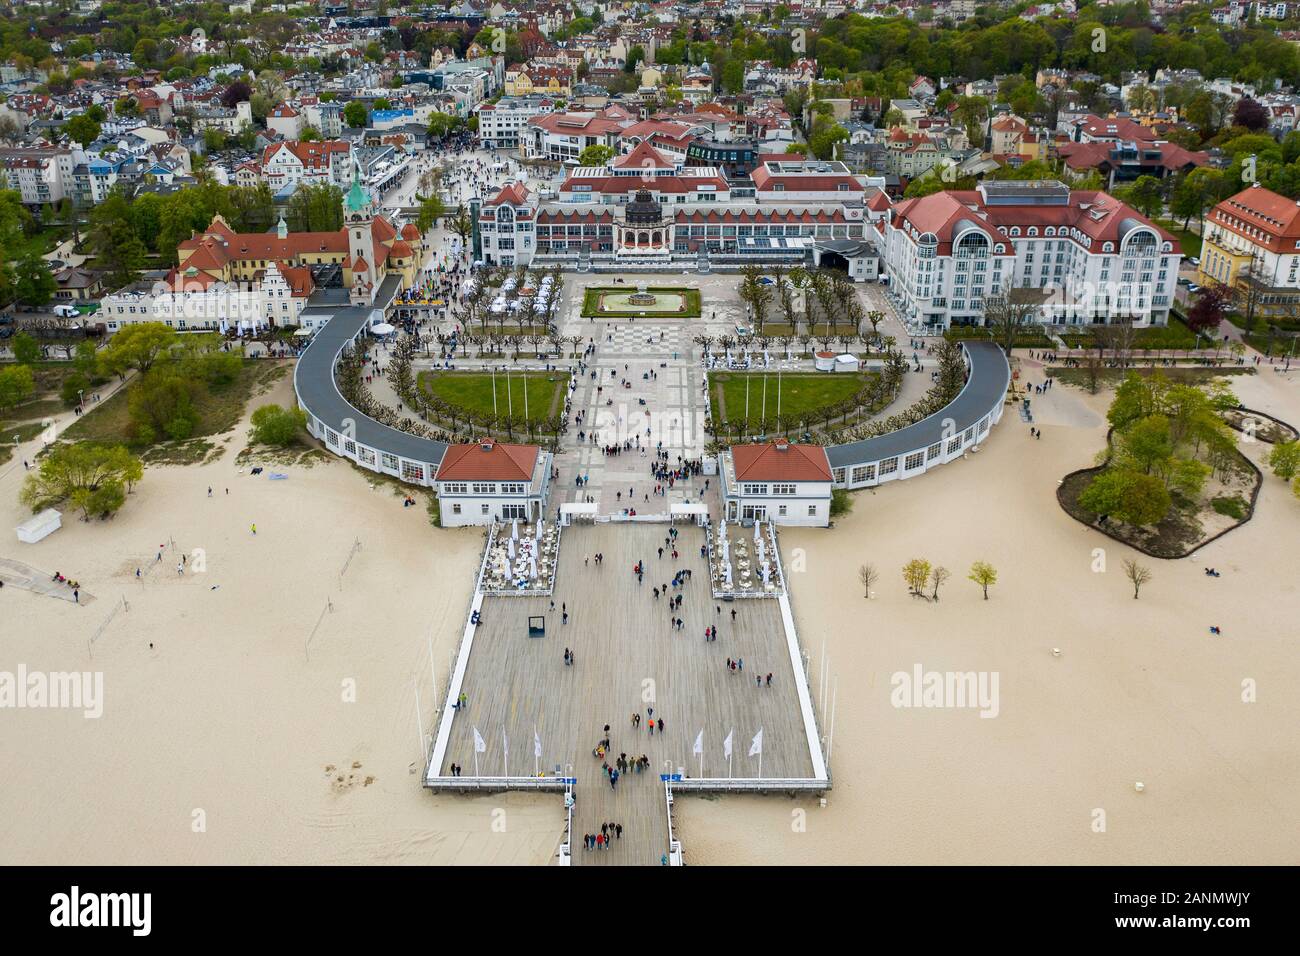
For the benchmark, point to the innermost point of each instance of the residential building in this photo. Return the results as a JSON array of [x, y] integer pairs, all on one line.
[[501, 124]]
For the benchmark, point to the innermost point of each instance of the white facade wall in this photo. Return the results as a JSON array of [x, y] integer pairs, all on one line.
[[1135, 278]]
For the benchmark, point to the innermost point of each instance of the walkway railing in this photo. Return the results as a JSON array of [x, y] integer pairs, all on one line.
[[674, 845], [497, 784], [751, 784]]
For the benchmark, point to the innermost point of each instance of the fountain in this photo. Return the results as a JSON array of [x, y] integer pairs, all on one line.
[[641, 296]]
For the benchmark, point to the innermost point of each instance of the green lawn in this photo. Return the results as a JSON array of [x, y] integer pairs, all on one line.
[[220, 409], [800, 393], [1026, 338], [1190, 241], [591, 303], [1175, 335], [472, 392]]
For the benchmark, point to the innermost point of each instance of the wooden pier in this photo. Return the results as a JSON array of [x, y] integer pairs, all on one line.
[[628, 659]]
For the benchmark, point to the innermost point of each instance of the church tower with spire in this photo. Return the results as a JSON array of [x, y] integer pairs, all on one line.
[[358, 218]]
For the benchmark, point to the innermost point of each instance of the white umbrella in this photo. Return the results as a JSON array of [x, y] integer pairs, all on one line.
[[382, 328], [510, 547], [532, 566], [514, 528]]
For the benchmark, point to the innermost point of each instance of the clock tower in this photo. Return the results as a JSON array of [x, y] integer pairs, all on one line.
[[358, 217]]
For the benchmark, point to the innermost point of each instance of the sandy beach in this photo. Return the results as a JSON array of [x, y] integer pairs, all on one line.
[[231, 713], [1141, 691], [233, 720]]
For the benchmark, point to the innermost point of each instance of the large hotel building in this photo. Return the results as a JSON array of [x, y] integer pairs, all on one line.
[[1089, 256]]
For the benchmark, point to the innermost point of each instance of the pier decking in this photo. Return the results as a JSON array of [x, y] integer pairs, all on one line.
[[628, 659]]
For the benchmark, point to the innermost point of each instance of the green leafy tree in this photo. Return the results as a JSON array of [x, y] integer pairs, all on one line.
[[431, 210], [138, 346], [34, 284], [16, 386], [1129, 496], [355, 114], [595, 155], [26, 349], [1284, 459], [983, 574], [273, 425], [83, 129], [95, 477]]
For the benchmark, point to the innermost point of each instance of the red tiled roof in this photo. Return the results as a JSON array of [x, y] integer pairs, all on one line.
[[1262, 216], [781, 461], [488, 461]]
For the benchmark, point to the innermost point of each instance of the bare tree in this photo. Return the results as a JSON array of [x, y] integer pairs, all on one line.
[[868, 575], [1005, 318], [1138, 574], [938, 576]]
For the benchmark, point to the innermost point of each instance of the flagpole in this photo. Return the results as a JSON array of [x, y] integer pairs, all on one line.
[[536, 755], [830, 738], [505, 753], [494, 391], [419, 721]]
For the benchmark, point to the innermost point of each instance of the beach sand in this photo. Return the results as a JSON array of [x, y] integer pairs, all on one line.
[[233, 715], [1141, 691]]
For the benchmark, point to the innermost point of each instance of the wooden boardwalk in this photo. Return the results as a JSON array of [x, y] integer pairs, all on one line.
[[628, 659]]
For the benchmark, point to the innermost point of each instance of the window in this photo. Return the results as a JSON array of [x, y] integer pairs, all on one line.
[[780, 510], [484, 488], [412, 472], [889, 466], [485, 509], [754, 489], [512, 488], [914, 460], [954, 445], [388, 461], [864, 473], [812, 511], [454, 488], [783, 489], [455, 509], [934, 451]]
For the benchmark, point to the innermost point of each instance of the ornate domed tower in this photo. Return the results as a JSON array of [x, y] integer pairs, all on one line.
[[358, 216], [642, 230]]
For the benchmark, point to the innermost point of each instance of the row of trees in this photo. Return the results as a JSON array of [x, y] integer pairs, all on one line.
[[920, 575]]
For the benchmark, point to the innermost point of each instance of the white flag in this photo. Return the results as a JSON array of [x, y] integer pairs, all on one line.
[[505, 744], [726, 744], [480, 745], [756, 747], [537, 745], [699, 743]]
